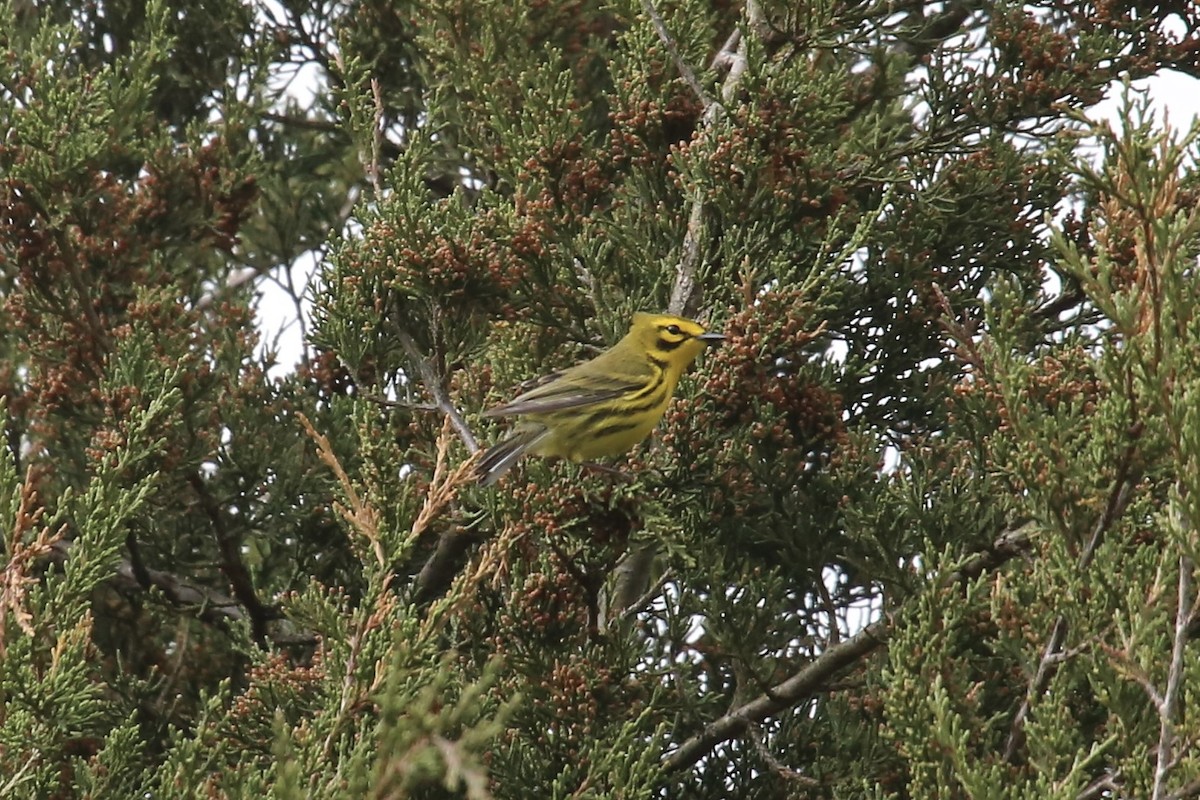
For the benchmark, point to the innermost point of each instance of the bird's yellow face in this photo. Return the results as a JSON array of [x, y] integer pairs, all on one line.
[[669, 341]]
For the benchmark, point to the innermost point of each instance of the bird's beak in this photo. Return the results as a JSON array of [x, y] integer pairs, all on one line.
[[711, 337]]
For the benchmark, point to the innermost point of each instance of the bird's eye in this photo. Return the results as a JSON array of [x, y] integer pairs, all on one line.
[[674, 330]]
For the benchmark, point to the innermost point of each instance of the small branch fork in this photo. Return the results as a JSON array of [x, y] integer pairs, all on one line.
[[433, 385]]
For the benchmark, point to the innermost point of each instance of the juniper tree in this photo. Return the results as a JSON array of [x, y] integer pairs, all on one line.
[[922, 527]]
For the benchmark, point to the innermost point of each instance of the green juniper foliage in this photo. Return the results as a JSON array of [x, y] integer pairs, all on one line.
[[924, 526]]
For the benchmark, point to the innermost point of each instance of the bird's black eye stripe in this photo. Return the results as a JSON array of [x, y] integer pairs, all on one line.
[[667, 345]]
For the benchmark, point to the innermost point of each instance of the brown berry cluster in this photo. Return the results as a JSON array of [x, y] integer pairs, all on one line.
[[770, 154], [761, 386]]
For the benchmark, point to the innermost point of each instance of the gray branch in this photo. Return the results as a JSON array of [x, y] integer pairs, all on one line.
[[433, 385], [816, 675], [1168, 709]]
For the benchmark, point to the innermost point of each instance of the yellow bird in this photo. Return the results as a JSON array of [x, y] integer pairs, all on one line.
[[601, 407]]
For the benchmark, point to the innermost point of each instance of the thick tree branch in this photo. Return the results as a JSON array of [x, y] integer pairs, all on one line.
[[815, 675], [212, 607], [802, 685]]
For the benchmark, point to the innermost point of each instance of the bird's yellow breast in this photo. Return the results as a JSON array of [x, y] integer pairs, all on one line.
[[608, 428]]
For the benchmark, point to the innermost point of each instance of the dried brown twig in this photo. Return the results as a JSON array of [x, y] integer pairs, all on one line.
[[23, 555], [445, 483], [362, 518]]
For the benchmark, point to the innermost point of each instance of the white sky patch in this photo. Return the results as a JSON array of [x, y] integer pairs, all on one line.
[[1174, 101], [278, 315]]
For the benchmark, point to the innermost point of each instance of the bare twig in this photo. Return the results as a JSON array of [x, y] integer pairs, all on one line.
[[1106, 785], [631, 576], [307, 123], [1168, 709], [684, 292], [373, 170], [440, 568], [1129, 669], [640, 604], [776, 766], [444, 485], [18, 777], [835, 633], [1041, 677], [1118, 498], [433, 385], [232, 564], [1189, 790], [387, 402], [685, 70]]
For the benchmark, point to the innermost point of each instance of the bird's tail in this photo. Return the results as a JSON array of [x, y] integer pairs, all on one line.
[[500, 457]]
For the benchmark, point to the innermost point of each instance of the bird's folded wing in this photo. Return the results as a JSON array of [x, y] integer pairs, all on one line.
[[558, 394]]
